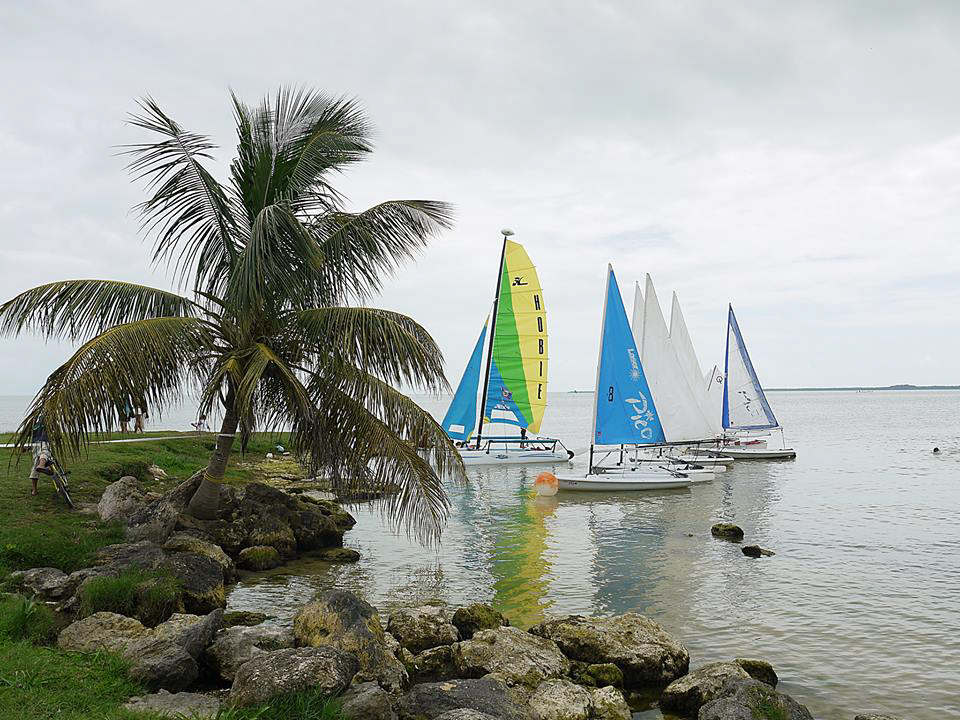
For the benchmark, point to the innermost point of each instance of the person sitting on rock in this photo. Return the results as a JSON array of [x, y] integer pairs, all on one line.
[[41, 454]]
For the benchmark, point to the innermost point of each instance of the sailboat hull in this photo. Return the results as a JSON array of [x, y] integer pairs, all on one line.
[[757, 453], [630, 480], [513, 456]]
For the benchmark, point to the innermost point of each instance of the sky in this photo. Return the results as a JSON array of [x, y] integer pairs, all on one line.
[[799, 160]]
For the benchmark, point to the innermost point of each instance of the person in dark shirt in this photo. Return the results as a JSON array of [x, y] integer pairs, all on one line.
[[41, 454]]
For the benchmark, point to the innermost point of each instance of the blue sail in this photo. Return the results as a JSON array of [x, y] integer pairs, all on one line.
[[745, 405], [461, 417], [625, 413]]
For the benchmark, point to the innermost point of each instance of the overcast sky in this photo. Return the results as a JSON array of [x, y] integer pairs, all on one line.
[[800, 160]]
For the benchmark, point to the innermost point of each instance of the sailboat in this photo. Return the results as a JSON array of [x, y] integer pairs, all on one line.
[[747, 417], [685, 420], [513, 375], [624, 412]]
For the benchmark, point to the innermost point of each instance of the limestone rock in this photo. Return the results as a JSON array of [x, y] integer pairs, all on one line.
[[259, 557], [433, 665], [643, 650], [234, 646], [755, 551], [285, 671], [727, 531], [101, 631], [48, 583], [121, 500], [464, 714], [340, 619], [759, 670], [367, 701], [183, 542], [174, 705], [420, 628], [873, 716], [751, 699], [246, 618], [686, 695], [115, 559], [597, 675], [271, 531], [517, 655], [560, 700], [428, 701], [608, 703], [344, 555], [193, 633], [478, 616], [157, 472], [158, 663], [156, 521], [200, 579]]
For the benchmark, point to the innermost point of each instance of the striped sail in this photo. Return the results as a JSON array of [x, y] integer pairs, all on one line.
[[517, 388]]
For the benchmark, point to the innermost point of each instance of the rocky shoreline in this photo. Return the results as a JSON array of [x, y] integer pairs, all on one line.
[[419, 663]]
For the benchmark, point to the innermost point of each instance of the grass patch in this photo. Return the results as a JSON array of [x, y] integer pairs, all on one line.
[[42, 683], [24, 619], [307, 705], [151, 597]]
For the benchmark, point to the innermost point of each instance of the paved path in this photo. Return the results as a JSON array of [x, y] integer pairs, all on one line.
[[127, 440]]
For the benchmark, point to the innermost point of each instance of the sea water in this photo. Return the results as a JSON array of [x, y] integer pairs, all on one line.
[[858, 610]]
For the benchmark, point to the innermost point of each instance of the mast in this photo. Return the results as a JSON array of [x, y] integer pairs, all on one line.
[[596, 384], [726, 370], [506, 232]]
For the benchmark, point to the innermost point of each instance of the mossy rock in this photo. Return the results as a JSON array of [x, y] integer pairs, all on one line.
[[245, 618], [727, 531], [597, 675], [259, 557], [343, 555], [476, 617], [759, 670]]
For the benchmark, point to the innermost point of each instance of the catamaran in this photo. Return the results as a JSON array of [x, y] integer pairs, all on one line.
[[747, 419], [625, 418], [682, 402], [514, 375]]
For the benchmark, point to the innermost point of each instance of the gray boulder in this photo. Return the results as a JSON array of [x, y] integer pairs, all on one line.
[[490, 696], [102, 631], [200, 579], [234, 646], [608, 703], [759, 670], [420, 628], [433, 665], [465, 714], [367, 701], [157, 520], [183, 542], [751, 699], [193, 633], [560, 700], [516, 655], [115, 559], [259, 557], [755, 551], [174, 705], [159, 663], [686, 695], [48, 583], [478, 616], [340, 619], [643, 650], [121, 500], [267, 675]]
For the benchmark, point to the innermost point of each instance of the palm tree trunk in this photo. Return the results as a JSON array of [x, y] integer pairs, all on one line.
[[206, 499]]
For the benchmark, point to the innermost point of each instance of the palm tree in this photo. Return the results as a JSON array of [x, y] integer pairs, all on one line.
[[274, 330]]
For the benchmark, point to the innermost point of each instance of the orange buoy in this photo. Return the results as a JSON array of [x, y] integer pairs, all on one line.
[[546, 484]]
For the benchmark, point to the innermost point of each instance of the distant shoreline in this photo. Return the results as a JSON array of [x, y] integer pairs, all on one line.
[[864, 388]]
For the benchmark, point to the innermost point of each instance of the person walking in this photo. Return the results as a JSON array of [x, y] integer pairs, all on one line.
[[140, 416], [126, 415], [40, 444]]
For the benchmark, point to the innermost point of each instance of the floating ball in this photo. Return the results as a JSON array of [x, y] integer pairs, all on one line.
[[546, 484]]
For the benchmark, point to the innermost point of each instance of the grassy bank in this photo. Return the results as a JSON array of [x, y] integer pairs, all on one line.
[[41, 532]]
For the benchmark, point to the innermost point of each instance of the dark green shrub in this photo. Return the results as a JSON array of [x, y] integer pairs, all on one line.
[[114, 471], [22, 618], [151, 597]]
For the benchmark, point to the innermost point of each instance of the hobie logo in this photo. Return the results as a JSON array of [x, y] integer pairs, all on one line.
[[642, 416]]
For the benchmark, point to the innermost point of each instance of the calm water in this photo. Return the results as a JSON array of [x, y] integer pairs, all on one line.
[[859, 609]]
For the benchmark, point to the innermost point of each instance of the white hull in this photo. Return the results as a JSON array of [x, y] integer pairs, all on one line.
[[703, 459], [759, 453], [512, 456], [630, 480]]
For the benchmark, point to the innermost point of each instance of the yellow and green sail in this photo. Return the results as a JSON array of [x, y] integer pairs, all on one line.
[[518, 371]]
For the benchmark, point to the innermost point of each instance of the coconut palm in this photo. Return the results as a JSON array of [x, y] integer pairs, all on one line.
[[273, 332]]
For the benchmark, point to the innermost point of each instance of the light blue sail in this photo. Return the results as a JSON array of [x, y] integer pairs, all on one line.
[[461, 417], [625, 413], [745, 405]]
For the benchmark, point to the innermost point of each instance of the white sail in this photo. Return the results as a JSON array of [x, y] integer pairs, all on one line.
[[713, 381], [637, 324], [680, 413], [687, 357], [745, 404]]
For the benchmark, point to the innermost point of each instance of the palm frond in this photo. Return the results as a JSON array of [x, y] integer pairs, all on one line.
[[82, 308], [189, 210], [387, 344], [359, 249], [152, 360]]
